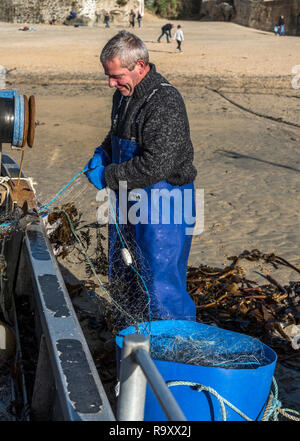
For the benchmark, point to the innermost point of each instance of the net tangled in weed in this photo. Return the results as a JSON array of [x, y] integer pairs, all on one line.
[[13, 216], [80, 242]]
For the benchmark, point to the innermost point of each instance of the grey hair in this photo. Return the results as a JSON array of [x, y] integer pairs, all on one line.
[[127, 47]]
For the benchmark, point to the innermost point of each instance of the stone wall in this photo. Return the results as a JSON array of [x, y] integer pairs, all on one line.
[[217, 10], [183, 9], [189, 8], [263, 14], [88, 11], [259, 14]]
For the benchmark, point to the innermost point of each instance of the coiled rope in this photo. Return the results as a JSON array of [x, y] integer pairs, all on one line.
[[272, 410]]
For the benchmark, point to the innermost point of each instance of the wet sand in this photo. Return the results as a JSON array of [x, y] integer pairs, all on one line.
[[244, 119]]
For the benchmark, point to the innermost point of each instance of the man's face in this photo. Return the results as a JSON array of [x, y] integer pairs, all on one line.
[[123, 79]]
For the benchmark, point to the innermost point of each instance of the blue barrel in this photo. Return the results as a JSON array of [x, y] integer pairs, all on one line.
[[237, 367]]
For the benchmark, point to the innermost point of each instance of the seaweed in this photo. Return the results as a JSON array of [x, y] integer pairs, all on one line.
[[228, 299]]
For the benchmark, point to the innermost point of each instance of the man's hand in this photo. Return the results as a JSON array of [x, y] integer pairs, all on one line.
[[94, 169], [100, 158], [96, 176]]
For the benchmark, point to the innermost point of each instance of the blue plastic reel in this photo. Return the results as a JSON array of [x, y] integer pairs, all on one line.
[[19, 126]]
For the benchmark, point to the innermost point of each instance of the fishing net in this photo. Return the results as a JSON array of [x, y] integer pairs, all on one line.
[[77, 221], [79, 238], [208, 351]]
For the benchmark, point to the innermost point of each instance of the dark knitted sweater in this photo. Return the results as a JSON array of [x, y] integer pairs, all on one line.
[[163, 134]]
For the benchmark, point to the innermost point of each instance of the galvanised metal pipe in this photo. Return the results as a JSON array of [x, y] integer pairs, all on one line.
[[136, 368], [158, 385], [131, 401]]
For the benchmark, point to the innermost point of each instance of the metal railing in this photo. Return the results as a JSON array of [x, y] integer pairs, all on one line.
[[75, 392], [67, 386], [136, 369]]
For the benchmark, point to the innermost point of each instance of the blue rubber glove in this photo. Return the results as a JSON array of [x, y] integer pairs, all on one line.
[[100, 158], [96, 176]]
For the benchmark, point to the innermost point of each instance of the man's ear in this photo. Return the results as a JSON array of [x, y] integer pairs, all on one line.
[[141, 66]]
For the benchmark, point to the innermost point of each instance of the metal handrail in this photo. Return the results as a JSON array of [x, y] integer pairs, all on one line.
[[136, 369], [67, 386]]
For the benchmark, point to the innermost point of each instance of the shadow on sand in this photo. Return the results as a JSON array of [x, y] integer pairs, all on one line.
[[235, 155]]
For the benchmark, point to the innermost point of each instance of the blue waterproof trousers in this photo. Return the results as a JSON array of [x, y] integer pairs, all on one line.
[[158, 245]]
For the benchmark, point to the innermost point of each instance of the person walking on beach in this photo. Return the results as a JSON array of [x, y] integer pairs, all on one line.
[[106, 20], [179, 37], [149, 149], [139, 19], [166, 30], [276, 30], [131, 18], [281, 25]]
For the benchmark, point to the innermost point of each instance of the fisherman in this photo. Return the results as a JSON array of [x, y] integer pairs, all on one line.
[[148, 147]]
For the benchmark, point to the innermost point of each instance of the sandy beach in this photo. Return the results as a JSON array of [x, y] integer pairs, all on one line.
[[248, 165], [237, 84]]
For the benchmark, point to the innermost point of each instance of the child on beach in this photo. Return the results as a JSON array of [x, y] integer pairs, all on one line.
[[179, 37]]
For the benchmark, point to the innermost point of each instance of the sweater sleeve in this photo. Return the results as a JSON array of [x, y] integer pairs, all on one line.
[[106, 145], [165, 139]]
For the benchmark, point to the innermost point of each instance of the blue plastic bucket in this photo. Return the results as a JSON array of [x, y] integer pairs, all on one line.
[[237, 367]]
